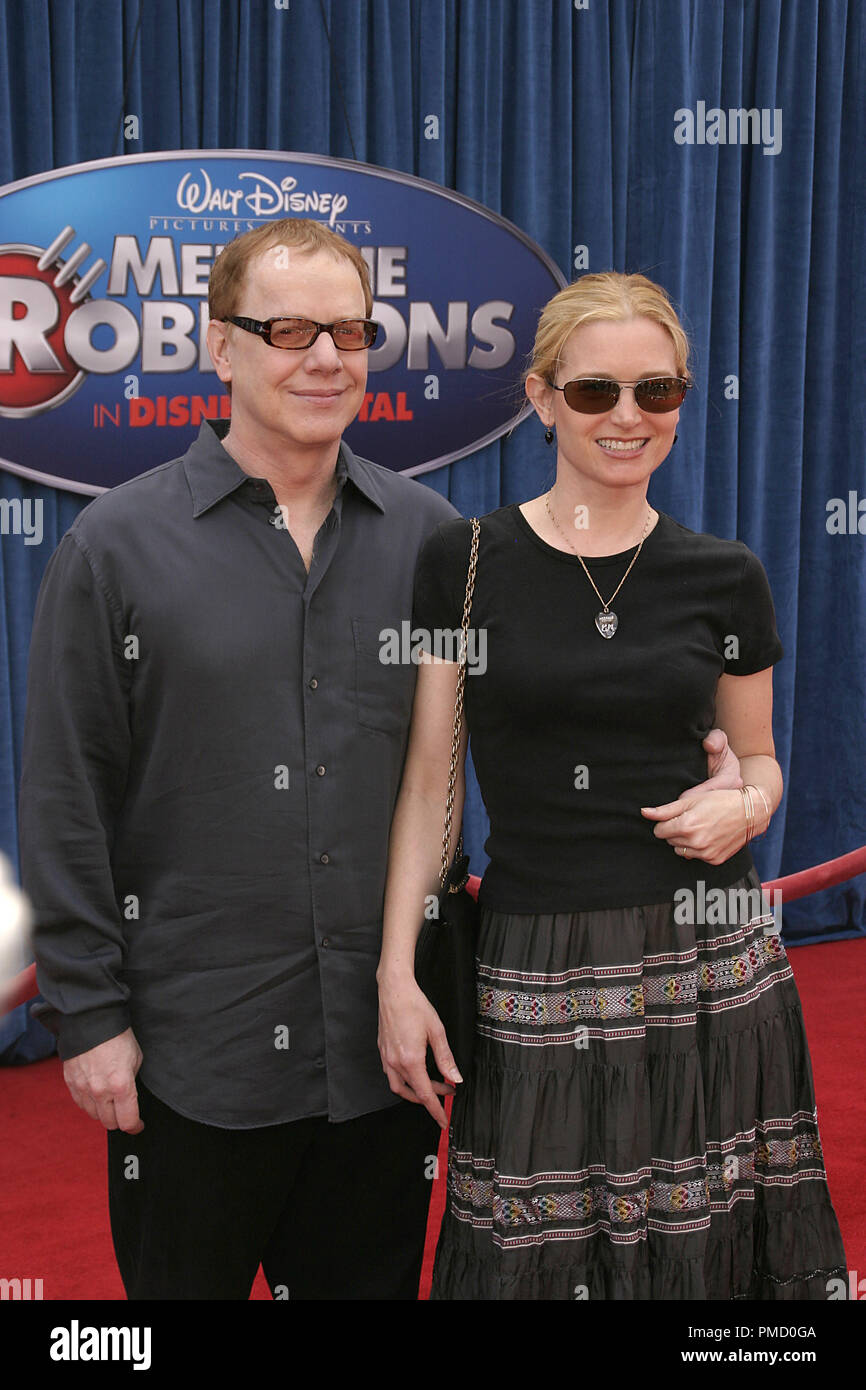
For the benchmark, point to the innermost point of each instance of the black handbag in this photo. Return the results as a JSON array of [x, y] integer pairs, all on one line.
[[445, 949]]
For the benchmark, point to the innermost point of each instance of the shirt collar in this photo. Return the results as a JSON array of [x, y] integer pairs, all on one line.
[[212, 473]]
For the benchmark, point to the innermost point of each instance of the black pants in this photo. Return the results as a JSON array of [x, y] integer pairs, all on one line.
[[331, 1211]]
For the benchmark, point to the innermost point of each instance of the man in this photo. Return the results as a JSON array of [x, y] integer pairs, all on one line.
[[212, 756]]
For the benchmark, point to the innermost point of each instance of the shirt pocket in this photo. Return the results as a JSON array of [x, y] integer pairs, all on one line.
[[383, 687]]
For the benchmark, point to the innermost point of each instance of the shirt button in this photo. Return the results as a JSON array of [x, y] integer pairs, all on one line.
[[321, 770], [314, 684], [324, 859]]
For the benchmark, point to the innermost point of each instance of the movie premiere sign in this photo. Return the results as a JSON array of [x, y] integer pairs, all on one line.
[[104, 368]]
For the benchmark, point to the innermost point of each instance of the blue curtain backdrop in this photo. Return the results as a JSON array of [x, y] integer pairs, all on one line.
[[562, 119]]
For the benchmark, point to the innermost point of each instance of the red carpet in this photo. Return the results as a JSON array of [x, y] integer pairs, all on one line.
[[53, 1200]]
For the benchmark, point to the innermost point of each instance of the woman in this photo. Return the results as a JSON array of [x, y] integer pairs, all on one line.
[[639, 1121]]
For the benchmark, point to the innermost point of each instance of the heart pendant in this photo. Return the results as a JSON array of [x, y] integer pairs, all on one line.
[[607, 623]]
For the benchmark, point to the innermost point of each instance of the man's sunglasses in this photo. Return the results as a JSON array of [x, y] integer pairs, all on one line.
[[595, 395], [349, 335]]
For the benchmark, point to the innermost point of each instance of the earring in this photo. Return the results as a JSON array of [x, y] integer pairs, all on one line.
[[548, 435]]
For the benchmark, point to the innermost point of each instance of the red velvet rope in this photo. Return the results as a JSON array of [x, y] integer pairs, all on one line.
[[794, 886], [23, 987], [820, 876]]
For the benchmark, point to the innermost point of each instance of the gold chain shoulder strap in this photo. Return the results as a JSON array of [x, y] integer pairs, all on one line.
[[458, 709]]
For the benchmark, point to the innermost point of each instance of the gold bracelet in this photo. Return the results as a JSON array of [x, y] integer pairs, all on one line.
[[756, 788], [749, 812]]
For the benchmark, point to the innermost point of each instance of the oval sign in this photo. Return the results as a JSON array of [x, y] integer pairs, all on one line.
[[104, 369]]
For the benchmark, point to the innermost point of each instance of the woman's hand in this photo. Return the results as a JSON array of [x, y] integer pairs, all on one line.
[[709, 826], [407, 1022], [708, 821]]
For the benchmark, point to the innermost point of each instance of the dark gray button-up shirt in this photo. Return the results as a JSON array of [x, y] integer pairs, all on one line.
[[212, 754]]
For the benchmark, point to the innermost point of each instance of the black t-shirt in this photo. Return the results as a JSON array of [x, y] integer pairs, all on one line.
[[571, 733]]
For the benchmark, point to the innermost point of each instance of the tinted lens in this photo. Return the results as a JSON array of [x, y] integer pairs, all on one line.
[[660, 395], [348, 334], [292, 333], [354, 333], [591, 397]]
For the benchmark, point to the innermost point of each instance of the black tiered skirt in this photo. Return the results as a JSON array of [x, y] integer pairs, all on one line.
[[640, 1119]]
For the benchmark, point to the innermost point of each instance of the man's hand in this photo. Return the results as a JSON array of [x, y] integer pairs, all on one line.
[[723, 766], [102, 1082]]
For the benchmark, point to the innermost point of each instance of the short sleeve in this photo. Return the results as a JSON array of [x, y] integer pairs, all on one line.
[[440, 578], [754, 623]]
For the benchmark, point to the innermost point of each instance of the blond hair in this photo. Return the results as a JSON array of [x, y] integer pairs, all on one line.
[[607, 296], [302, 233]]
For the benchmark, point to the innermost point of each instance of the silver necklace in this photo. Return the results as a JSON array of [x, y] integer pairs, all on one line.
[[606, 621]]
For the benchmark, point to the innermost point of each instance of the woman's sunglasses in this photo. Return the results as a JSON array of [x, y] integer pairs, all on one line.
[[595, 395]]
